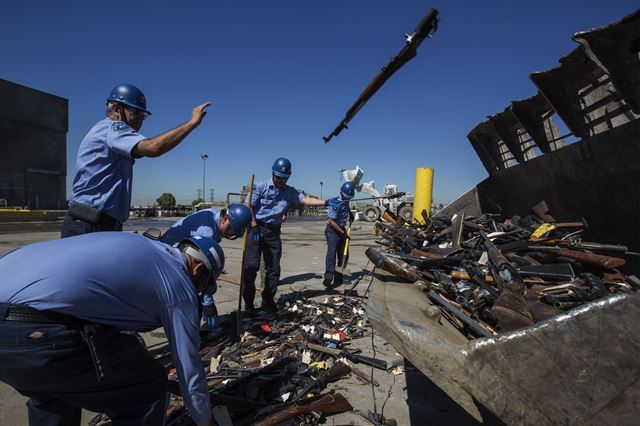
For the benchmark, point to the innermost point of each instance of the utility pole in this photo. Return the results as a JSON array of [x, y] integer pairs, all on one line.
[[321, 189], [204, 162], [211, 193]]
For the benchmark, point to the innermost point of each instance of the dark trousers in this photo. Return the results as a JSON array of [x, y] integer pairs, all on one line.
[[269, 246], [73, 226], [51, 365], [335, 251]]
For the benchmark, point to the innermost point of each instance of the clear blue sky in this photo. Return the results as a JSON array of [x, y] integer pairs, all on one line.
[[282, 73]]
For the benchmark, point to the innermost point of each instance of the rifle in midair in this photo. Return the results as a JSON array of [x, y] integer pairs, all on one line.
[[427, 26]]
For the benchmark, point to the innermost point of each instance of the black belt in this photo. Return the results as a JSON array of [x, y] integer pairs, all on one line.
[[270, 226], [21, 313], [93, 216]]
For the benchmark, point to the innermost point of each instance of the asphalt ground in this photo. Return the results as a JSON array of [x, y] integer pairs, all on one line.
[[408, 397]]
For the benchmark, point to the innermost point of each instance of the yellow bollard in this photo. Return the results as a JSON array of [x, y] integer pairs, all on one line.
[[422, 193]]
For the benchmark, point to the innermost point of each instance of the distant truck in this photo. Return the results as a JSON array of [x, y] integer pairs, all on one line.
[[401, 206]]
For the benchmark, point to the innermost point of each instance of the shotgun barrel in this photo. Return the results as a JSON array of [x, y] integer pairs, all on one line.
[[374, 362]]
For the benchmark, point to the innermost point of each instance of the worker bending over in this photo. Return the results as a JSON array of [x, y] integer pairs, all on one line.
[[229, 223], [63, 304]]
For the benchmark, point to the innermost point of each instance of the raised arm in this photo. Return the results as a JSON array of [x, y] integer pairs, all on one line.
[[168, 140], [308, 201]]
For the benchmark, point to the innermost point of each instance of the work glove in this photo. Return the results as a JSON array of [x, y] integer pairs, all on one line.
[[209, 310], [255, 234]]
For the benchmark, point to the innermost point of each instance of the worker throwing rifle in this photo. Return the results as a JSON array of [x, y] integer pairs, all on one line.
[[269, 201], [229, 223], [101, 197], [63, 304], [336, 233]]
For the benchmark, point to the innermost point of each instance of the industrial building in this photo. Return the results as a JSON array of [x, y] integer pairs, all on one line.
[[33, 148]]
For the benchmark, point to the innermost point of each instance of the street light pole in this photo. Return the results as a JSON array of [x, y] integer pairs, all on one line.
[[321, 189], [204, 162]]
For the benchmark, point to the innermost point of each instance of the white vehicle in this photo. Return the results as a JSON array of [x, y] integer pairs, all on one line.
[[401, 206]]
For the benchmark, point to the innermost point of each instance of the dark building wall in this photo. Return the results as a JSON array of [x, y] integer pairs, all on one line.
[[597, 178], [33, 147]]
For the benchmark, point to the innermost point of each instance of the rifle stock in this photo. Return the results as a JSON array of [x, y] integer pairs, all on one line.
[[328, 404], [428, 24], [607, 262], [511, 309], [336, 372]]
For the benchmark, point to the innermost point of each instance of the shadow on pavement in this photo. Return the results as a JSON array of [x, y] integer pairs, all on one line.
[[428, 404], [292, 279]]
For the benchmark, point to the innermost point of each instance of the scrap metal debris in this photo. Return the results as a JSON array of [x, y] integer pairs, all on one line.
[[280, 369], [489, 275]]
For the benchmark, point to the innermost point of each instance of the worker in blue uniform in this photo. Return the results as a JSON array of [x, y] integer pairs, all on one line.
[[336, 233], [269, 202], [101, 197], [230, 223], [63, 304]]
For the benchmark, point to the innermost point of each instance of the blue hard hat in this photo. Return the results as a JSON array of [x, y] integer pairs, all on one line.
[[347, 190], [210, 253], [240, 217], [282, 168], [129, 95]]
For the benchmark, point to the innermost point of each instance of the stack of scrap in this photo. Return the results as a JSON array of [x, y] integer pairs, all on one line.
[[490, 275], [279, 369]]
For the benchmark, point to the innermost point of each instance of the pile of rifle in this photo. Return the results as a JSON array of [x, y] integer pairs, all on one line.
[[489, 275], [280, 367]]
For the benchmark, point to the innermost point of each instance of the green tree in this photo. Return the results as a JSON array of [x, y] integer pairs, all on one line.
[[198, 201], [166, 200]]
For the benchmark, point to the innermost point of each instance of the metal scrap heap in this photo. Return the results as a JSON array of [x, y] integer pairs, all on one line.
[[490, 275], [277, 371]]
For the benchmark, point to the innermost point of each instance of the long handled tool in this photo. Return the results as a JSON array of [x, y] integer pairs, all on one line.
[[345, 253], [239, 325]]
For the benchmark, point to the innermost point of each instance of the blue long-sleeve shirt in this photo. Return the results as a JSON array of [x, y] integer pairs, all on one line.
[[203, 223], [119, 279], [270, 203]]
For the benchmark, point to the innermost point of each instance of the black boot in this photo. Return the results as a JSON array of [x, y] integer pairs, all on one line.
[[326, 283], [337, 279]]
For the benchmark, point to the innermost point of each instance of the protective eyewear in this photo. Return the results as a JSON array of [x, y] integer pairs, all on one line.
[[135, 113]]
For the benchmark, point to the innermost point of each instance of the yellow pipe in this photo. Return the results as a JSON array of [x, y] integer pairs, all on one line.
[[422, 193]]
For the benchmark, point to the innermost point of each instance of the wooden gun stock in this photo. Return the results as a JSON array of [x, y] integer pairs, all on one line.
[[510, 309], [600, 260], [328, 404], [338, 371], [424, 29]]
